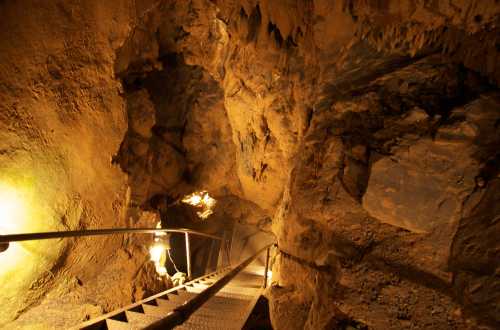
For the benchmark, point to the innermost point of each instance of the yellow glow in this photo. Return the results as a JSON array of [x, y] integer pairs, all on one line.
[[205, 214], [158, 252], [194, 200], [31, 200], [158, 255], [201, 199], [21, 212], [12, 209], [208, 201], [14, 217]]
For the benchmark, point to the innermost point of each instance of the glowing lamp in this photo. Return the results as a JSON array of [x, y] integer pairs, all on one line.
[[158, 256], [202, 200], [158, 251]]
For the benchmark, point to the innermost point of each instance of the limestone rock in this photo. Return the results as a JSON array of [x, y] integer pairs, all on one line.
[[425, 183], [303, 117]]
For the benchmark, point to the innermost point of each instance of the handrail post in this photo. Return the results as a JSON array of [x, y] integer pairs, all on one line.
[[188, 255], [228, 252], [267, 267], [210, 255]]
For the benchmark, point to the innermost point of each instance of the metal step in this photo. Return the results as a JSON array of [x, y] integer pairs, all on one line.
[[160, 311], [180, 297], [117, 325], [196, 288], [140, 320], [227, 309]]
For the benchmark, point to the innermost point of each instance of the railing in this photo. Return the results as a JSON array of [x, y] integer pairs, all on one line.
[[5, 240], [118, 314], [180, 314]]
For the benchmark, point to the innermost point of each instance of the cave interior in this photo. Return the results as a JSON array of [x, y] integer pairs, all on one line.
[[361, 137]]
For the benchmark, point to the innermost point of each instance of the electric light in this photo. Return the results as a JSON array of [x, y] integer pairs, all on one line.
[[158, 252], [193, 200], [201, 200], [158, 256], [209, 201]]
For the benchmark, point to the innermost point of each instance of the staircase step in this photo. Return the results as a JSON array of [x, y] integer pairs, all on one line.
[[201, 285], [168, 303], [197, 287], [117, 325], [225, 309], [140, 320], [160, 311], [182, 293], [228, 309], [227, 315], [209, 323], [234, 295], [182, 296]]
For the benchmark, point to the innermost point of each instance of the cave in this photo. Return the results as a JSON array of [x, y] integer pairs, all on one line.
[[358, 138]]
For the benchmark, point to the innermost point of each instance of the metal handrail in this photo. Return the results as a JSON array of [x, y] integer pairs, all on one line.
[[97, 232], [90, 323], [5, 240], [180, 314]]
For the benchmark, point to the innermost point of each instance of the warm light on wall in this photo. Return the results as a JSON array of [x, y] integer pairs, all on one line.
[[12, 211], [21, 212], [12, 208], [29, 202]]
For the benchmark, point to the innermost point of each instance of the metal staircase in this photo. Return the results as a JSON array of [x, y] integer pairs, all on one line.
[[230, 307], [220, 300]]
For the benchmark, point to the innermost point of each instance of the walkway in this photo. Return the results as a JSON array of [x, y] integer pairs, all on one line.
[[228, 309]]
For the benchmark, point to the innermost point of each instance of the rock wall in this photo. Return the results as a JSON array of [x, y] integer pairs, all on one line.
[[62, 119], [350, 126], [364, 134]]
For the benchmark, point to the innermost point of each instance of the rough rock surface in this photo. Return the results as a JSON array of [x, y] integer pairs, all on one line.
[[62, 118], [364, 134]]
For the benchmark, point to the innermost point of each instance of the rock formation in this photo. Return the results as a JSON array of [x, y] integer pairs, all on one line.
[[363, 134]]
